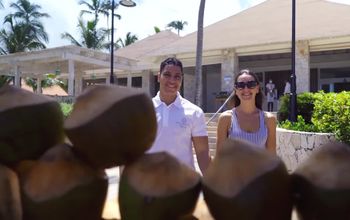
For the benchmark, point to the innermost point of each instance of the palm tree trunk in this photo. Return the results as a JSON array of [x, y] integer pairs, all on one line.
[[199, 52]]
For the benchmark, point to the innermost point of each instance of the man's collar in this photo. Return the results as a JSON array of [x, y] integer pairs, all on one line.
[[157, 101]]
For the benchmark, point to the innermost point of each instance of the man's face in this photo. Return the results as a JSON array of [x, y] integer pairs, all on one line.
[[170, 80]]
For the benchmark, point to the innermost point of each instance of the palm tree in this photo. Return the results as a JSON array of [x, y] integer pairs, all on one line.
[[28, 14], [97, 7], [199, 52], [177, 25], [91, 37], [1, 5], [129, 39]]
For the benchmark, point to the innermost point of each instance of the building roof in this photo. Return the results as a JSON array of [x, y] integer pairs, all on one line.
[[147, 45], [140, 50], [38, 63], [269, 23]]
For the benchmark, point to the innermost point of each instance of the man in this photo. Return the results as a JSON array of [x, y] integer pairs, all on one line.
[[180, 123]]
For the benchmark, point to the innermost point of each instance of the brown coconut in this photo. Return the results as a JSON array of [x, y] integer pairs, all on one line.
[[29, 124], [322, 184], [59, 186], [110, 125], [10, 199], [245, 182], [157, 187]]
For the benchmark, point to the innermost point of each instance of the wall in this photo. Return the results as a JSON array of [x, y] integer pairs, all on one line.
[[294, 146]]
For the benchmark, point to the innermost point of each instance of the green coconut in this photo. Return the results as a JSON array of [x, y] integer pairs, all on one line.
[[29, 124], [157, 187], [111, 125], [247, 183], [322, 184], [10, 199], [59, 186]]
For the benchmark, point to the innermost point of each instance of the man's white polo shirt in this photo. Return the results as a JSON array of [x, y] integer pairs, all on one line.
[[177, 124]]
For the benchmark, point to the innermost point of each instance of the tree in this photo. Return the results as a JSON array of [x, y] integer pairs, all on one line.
[[129, 39], [23, 31], [91, 37], [199, 53], [29, 15], [97, 7], [177, 25]]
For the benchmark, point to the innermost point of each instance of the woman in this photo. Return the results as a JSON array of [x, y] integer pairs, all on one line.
[[247, 120]]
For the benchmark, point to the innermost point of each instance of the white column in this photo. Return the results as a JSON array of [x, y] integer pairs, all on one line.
[[71, 77], [78, 84], [129, 80], [229, 67], [17, 76], [108, 81], [146, 81], [302, 66], [38, 83]]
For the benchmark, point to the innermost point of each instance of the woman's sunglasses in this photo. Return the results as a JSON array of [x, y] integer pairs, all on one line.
[[249, 84]]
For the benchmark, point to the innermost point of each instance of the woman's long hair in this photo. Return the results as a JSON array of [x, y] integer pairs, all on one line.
[[258, 98]]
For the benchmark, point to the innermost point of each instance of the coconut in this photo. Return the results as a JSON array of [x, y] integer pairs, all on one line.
[[246, 182], [111, 125], [30, 124], [10, 199], [60, 186], [322, 184], [157, 187]]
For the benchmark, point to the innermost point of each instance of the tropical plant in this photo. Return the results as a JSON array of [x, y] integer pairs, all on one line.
[[129, 39], [178, 25], [5, 80], [23, 30], [66, 108], [156, 29], [49, 80], [29, 14], [97, 7], [1, 5], [199, 52], [91, 37]]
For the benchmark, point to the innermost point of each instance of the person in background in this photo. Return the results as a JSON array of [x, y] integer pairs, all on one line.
[[247, 121], [270, 95], [181, 124], [287, 88]]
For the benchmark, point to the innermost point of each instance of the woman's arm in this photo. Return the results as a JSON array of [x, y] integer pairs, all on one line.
[[271, 132], [224, 123]]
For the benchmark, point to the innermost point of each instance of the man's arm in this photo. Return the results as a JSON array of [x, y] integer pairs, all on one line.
[[201, 146]]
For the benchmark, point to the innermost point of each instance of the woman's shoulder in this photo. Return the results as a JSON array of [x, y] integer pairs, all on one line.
[[226, 115], [269, 117]]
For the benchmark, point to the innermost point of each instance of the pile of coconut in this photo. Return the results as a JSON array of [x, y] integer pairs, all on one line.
[[54, 168]]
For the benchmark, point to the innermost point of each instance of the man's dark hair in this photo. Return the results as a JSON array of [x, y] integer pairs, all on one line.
[[171, 61]]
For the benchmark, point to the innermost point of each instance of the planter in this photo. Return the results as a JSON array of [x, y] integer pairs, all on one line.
[[293, 147]]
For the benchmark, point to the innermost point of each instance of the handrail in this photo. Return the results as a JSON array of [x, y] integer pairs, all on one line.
[[221, 107]]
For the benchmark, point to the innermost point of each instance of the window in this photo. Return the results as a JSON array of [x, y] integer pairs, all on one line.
[[122, 81], [136, 82]]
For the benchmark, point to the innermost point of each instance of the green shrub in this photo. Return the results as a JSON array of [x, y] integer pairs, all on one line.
[[305, 106], [66, 108], [300, 125], [332, 114]]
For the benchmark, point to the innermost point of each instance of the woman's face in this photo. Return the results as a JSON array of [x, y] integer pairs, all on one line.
[[246, 87]]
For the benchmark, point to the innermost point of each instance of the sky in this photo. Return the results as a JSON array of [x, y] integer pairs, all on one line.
[[139, 20]]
